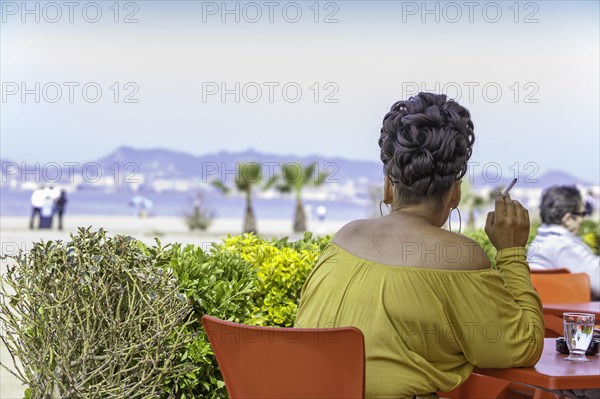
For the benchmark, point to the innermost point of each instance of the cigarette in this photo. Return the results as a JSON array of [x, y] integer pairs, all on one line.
[[505, 193]]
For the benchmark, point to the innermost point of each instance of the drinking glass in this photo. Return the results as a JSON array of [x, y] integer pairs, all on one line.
[[579, 329]]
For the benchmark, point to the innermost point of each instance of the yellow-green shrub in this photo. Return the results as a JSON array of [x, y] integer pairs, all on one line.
[[242, 279], [590, 234], [281, 269]]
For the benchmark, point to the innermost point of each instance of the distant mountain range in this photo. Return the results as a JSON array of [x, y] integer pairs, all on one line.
[[167, 164]]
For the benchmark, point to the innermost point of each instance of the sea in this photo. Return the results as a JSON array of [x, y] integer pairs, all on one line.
[[94, 202]]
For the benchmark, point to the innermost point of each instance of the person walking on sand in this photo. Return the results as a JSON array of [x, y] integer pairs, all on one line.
[[47, 213], [37, 201], [59, 207]]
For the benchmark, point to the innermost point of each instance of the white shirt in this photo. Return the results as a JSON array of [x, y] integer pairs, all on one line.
[[554, 247], [37, 197]]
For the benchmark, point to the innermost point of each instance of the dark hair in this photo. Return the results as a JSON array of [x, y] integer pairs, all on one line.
[[425, 144], [557, 201]]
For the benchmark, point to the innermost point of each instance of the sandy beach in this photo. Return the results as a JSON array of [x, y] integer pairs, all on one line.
[[15, 235]]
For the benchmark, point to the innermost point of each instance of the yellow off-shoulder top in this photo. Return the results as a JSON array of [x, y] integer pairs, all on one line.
[[425, 329]]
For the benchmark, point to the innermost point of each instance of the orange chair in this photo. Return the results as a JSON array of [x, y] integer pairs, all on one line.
[[550, 271], [561, 288], [272, 362]]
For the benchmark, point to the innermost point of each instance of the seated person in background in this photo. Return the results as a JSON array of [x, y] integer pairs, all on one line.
[[557, 244], [428, 303]]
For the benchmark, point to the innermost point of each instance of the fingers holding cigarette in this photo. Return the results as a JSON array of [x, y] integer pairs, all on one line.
[[510, 186], [508, 225]]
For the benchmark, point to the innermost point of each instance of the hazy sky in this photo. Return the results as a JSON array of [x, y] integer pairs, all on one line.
[[298, 77]]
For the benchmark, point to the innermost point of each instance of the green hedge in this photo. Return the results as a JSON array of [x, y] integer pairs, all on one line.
[[244, 278], [111, 294], [481, 238]]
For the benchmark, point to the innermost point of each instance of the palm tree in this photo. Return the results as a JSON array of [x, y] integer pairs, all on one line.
[[248, 175], [294, 178]]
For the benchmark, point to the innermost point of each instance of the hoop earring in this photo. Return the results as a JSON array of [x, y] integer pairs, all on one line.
[[459, 220], [380, 210]]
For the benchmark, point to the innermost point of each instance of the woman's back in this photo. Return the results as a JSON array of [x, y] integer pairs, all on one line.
[[424, 328]]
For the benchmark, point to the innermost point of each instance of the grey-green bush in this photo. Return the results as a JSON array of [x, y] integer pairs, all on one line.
[[95, 317]]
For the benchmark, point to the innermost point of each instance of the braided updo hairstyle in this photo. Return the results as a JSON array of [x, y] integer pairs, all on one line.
[[425, 144]]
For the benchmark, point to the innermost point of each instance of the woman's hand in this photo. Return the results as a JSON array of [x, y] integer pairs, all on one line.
[[508, 225]]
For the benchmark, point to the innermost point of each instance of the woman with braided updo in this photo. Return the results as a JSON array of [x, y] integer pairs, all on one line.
[[426, 299]]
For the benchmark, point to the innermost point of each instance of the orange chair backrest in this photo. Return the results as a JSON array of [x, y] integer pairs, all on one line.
[[562, 287], [550, 271], [273, 362]]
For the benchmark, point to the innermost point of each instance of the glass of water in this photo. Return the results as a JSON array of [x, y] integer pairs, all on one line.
[[579, 329]]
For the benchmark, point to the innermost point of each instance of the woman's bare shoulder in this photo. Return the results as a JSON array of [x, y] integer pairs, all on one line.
[[470, 256], [350, 233], [434, 248]]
